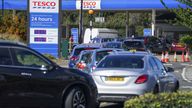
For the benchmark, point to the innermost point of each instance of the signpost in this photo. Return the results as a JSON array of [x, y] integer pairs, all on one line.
[[147, 32], [44, 26], [74, 33]]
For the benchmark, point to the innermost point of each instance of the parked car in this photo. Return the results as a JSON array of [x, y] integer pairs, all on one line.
[[89, 59], [154, 44], [77, 50], [176, 47], [123, 75], [134, 44], [29, 79], [112, 45]]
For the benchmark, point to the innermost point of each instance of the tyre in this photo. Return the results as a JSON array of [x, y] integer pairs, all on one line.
[[156, 89], [76, 99]]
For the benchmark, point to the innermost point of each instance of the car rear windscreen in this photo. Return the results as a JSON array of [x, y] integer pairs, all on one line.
[[78, 50], [102, 54], [122, 61], [134, 44]]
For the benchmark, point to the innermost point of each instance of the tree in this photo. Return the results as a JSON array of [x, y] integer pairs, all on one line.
[[184, 15]]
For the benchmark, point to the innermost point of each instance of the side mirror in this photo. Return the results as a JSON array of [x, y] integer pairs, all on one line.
[[46, 68], [170, 69]]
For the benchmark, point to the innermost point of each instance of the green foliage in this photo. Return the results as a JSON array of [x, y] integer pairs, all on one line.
[[14, 25], [186, 40], [164, 100], [49, 56], [184, 15]]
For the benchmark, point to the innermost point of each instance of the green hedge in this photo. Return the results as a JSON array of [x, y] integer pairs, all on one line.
[[164, 100]]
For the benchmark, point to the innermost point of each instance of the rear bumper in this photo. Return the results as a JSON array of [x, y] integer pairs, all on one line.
[[115, 97]]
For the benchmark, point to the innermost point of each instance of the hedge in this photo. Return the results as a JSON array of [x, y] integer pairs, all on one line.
[[163, 100]]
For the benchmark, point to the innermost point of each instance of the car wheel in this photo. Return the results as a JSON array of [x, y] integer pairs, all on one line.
[[176, 87], [76, 99], [156, 89]]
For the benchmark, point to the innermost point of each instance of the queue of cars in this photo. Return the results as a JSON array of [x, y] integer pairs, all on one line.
[[95, 74], [121, 73]]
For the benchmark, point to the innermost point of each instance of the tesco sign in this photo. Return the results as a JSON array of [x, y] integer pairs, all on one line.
[[43, 3], [89, 4]]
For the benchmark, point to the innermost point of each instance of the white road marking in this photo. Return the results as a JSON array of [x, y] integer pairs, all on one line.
[[168, 64], [184, 64], [186, 87], [176, 71], [183, 75]]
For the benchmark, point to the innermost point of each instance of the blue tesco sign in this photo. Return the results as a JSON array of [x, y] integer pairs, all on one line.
[[147, 32], [44, 26]]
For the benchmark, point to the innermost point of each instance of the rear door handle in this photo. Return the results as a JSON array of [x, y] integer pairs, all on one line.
[[26, 74]]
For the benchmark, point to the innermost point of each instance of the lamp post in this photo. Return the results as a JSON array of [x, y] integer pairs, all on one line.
[[81, 22], [91, 12]]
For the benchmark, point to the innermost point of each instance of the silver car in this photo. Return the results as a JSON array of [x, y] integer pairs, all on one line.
[[88, 59], [124, 75]]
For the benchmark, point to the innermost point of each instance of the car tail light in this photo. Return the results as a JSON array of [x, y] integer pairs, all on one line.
[[94, 67], [73, 58], [141, 79], [81, 66]]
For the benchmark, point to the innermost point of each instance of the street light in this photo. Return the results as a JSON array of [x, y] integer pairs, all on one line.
[[91, 12]]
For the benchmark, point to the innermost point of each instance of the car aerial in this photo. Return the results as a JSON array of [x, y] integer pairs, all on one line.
[[134, 44], [89, 59], [123, 75], [112, 45], [29, 79], [77, 50], [154, 44]]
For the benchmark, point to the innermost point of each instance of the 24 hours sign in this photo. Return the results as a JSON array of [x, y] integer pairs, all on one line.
[[44, 25]]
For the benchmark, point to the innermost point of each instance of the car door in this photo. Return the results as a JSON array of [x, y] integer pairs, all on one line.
[[162, 75], [35, 67], [166, 78], [13, 86]]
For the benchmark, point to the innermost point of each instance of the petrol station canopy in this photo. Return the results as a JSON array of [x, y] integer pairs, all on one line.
[[104, 4]]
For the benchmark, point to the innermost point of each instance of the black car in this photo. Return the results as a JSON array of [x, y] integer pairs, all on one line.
[[134, 44], [154, 44], [28, 79]]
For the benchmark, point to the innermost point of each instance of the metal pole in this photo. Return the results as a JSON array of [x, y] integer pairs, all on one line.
[[153, 22], [2, 8], [91, 26], [81, 22], [127, 24]]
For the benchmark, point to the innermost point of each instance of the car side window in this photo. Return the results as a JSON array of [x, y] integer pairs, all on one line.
[[160, 65], [87, 58], [5, 58], [154, 65], [26, 58]]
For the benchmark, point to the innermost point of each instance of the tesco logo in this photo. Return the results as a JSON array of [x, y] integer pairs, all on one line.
[[89, 4], [39, 3]]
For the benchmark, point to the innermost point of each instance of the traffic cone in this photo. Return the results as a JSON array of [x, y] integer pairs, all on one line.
[[162, 57], [175, 57], [187, 57], [182, 57], [166, 57]]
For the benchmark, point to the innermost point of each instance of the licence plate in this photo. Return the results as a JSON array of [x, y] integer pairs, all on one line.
[[114, 78]]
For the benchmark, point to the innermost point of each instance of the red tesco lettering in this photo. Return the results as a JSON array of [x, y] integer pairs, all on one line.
[[89, 3], [39, 3]]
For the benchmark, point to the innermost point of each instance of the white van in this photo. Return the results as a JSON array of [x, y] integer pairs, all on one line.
[[99, 33]]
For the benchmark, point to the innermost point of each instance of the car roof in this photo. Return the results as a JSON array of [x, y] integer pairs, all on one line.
[[134, 40], [11, 43], [144, 53], [101, 49], [88, 45]]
